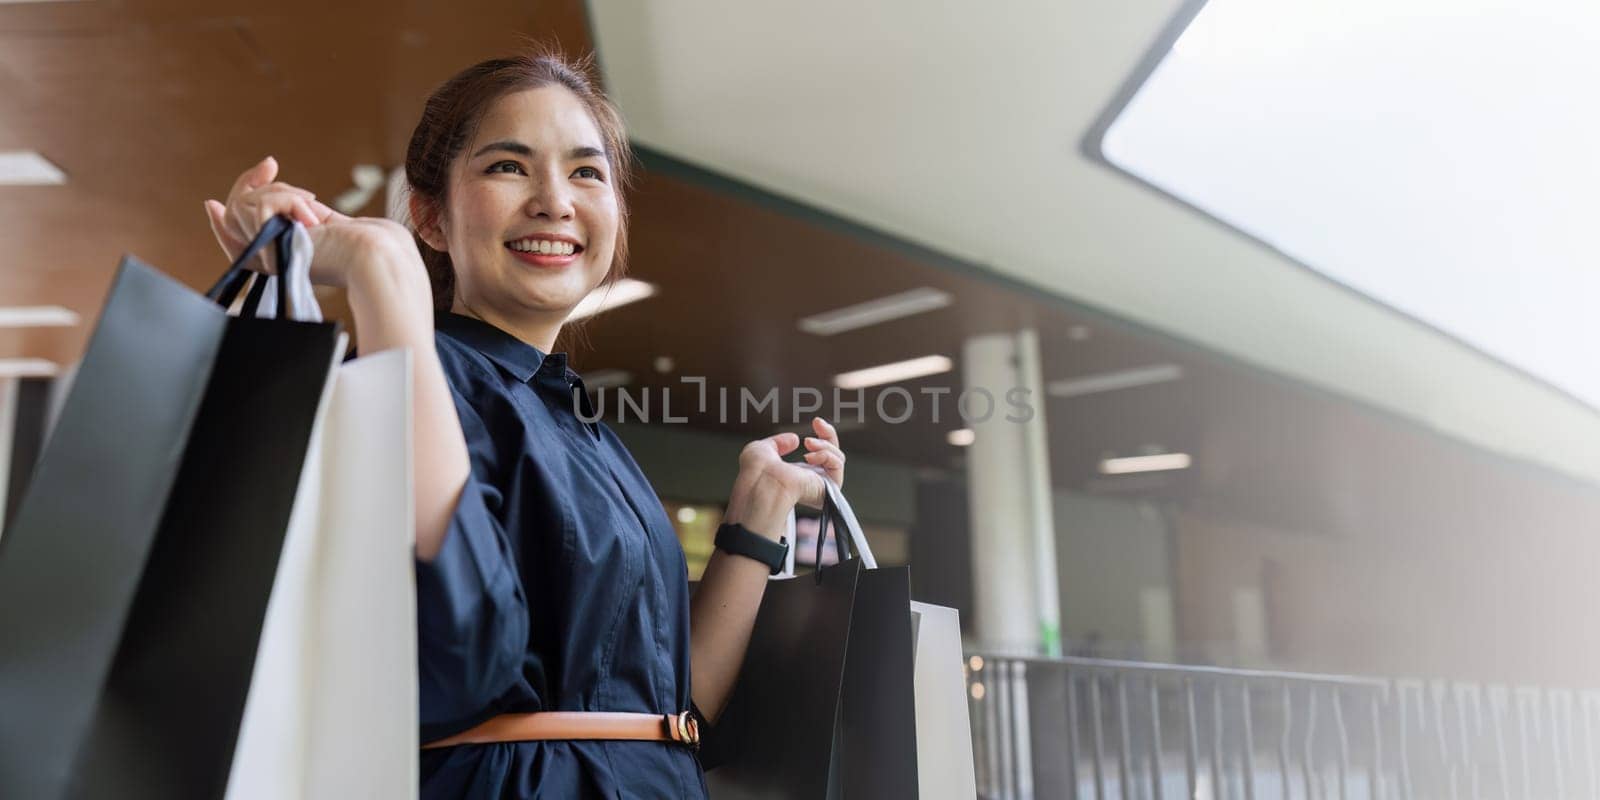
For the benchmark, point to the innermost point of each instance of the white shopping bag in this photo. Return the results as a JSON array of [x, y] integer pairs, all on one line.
[[332, 709], [944, 733]]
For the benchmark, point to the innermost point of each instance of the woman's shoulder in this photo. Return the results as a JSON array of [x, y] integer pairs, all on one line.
[[464, 366]]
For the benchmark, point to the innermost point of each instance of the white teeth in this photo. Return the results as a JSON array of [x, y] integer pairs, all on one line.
[[543, 247]]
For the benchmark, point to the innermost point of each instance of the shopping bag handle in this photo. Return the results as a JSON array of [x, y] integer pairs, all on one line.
[[847, 533], [279, 231]]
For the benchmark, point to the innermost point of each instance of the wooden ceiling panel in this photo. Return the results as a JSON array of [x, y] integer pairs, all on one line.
[[152, 108]]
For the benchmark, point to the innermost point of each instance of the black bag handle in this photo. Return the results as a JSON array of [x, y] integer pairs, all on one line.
[[834, 519], [278, 231]]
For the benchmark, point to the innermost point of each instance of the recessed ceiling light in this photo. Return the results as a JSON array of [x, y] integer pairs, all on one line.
[[961, 437], [37, 317], [1111, 381], [872, 312], [617, 294], [28, 368], [889, 373], [27, 168], [1155, 463]]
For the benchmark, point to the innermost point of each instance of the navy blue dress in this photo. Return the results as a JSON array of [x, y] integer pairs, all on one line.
[[561, 586]]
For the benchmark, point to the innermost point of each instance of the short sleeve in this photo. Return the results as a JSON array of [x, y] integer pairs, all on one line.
[[472, 616]]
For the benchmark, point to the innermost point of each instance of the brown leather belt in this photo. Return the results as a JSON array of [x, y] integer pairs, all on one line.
[[546, 725]]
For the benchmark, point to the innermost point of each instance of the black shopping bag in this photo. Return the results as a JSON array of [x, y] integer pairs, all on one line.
[[825, 704], [877, 744], [137, 572]]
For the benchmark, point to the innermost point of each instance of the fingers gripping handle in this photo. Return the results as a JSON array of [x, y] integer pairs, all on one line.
[[847, 530], [293, 296], [837, 509], [224, 291]]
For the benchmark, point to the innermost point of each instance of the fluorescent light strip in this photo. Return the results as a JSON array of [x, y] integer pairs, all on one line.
[[961, 437], [28, 368], [1112, 381], [872, 312], [38, 317], [27, 168], [1156, 463], [606, 298], [607, 378], [890, 373]]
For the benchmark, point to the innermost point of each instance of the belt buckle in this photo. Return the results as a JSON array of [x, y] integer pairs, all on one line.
[[688, 729]]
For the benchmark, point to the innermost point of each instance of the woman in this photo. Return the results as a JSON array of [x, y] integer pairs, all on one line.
[[548, 575]]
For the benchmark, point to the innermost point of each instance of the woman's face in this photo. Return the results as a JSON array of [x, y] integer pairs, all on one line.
[[531, 217]]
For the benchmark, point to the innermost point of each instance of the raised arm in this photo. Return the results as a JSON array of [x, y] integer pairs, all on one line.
[[392, 303], [377, 261]]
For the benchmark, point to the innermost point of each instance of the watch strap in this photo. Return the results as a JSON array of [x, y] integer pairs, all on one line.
[[741, 541]]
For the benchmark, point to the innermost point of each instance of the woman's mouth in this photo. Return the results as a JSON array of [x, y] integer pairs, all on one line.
[[545, 251]]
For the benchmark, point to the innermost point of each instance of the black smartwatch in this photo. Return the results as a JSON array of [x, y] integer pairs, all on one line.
[[741, 541]]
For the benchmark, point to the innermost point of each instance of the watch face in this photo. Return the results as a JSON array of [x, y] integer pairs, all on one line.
[[805, 543]]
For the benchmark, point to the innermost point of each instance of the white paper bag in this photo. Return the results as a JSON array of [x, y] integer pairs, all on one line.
[[332, 709], [944, 733]]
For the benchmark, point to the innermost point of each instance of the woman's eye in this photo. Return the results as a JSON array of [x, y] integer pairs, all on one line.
[[506, 166], [589, 172]]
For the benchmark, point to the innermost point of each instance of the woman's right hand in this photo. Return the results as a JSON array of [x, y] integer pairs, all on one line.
[[256, 197], [342, 246]]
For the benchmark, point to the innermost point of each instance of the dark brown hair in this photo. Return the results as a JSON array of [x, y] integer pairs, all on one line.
[[451, 117]]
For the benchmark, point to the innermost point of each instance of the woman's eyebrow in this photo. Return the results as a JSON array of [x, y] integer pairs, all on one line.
[[518, 148], [515, 148]]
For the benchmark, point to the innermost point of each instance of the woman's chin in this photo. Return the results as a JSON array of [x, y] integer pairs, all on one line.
[[550, 301], [553, 292]]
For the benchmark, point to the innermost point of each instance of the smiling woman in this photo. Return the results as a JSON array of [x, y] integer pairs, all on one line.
[[540, 134], [553, 613]]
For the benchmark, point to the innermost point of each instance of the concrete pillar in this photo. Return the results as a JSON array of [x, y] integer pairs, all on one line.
[[1041, 493], [1015, 591]]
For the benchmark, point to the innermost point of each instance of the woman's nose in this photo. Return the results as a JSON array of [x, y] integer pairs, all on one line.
[[551, 198]]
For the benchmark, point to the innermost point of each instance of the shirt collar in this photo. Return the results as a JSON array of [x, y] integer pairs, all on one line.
[[521, 359]]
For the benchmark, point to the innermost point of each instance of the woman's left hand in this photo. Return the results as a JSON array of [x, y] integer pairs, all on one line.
[[824, 450], [768, 487]]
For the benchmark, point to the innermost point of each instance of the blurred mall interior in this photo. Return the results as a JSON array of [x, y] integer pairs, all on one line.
[[1247, 453]]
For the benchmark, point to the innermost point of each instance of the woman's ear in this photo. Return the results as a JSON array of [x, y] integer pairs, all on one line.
[[425, 218]]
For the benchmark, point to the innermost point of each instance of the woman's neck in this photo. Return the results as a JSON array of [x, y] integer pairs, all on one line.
[[540, 333]]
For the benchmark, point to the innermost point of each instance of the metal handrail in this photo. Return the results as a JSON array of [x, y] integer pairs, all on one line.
[[1191, 670], [1083, 727]]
